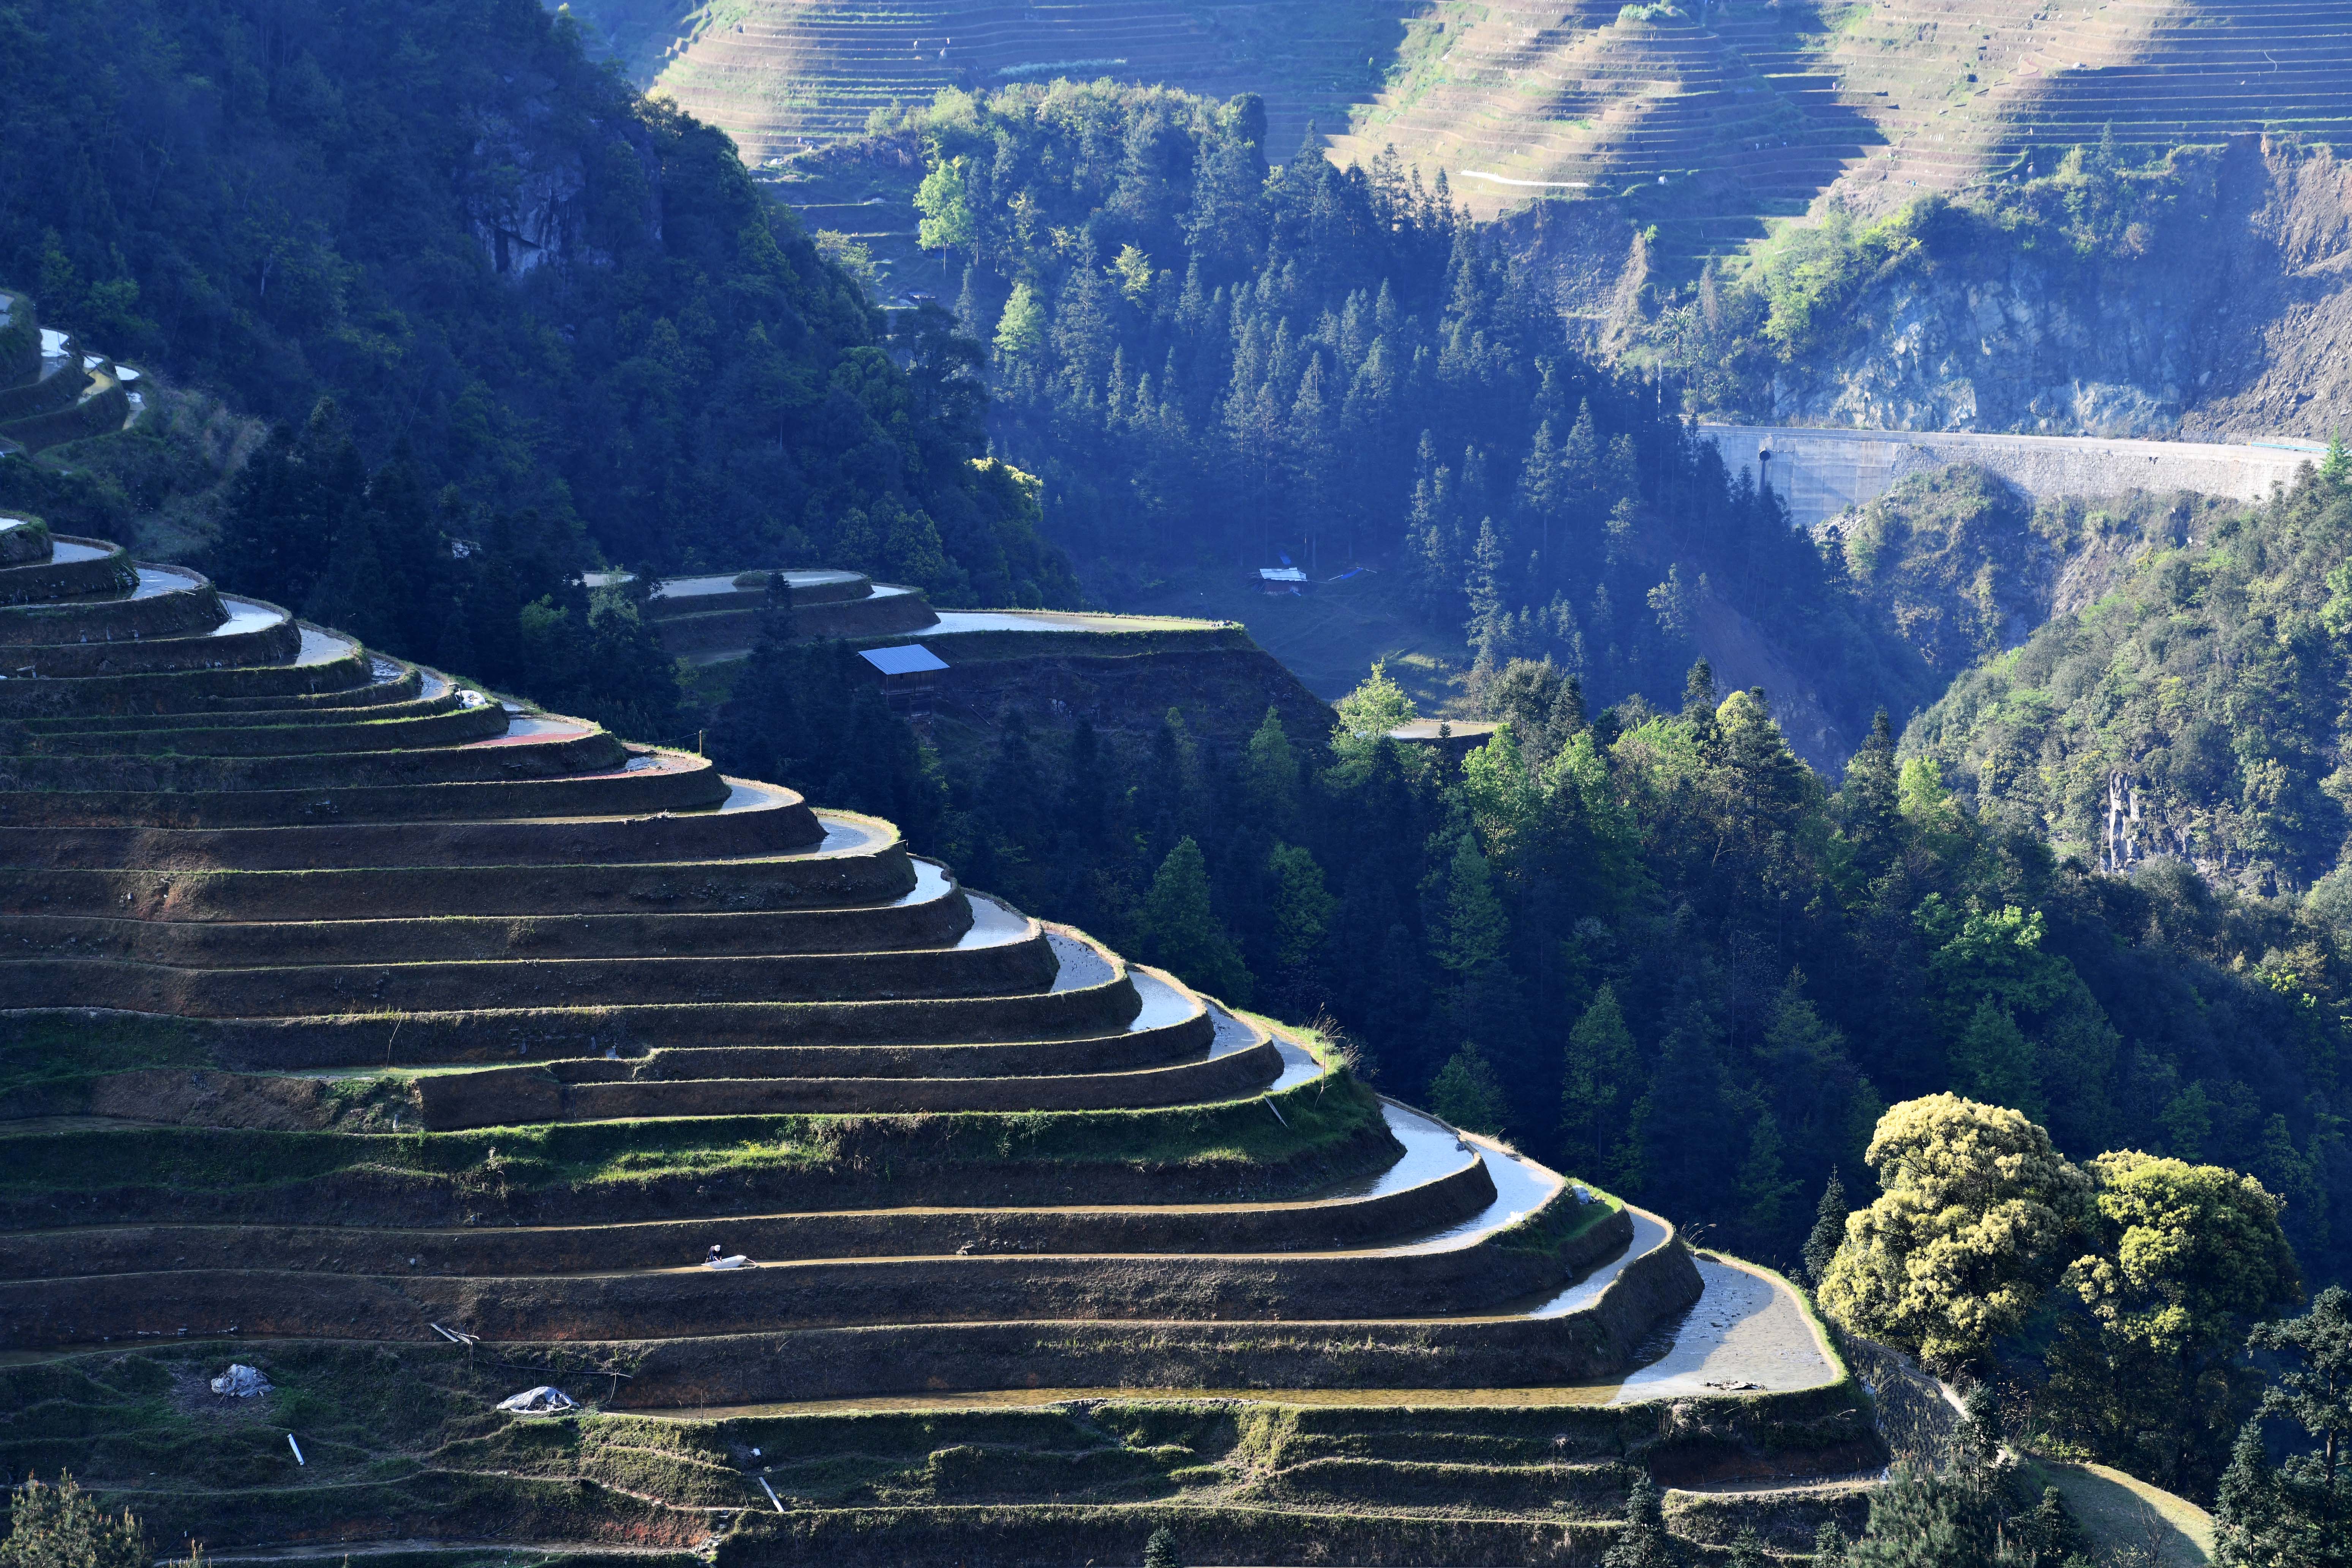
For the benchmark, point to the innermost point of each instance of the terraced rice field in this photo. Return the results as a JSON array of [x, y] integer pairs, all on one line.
[[414, 1047], [52, 390], [779, 77], [1717, 117]]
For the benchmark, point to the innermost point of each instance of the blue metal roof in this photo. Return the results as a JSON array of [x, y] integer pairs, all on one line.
[[908, 658]]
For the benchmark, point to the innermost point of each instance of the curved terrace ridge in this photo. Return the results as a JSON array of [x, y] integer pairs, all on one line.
[[358, 1003]]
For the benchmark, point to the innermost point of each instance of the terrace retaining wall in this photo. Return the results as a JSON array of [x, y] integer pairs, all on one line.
[[1818, 473]]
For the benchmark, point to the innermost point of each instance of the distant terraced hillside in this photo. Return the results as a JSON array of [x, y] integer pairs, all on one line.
[[1747, 109], [1758, 108], [776, 73], [2004, 80]]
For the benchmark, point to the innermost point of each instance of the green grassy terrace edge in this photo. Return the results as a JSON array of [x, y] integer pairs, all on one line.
[[1559, 1221], [1242, 1132]]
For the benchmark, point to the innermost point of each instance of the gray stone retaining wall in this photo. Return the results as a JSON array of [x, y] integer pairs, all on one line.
[[1817, 473]]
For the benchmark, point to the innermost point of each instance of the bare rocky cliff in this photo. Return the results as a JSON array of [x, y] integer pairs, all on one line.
[[2226, 311]]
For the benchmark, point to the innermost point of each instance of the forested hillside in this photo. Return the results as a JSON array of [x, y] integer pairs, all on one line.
[[1653, 947], [1210, 360], [557, 323], [2195, 712]]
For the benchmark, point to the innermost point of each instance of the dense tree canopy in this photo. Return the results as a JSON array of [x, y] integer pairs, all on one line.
[[1213, 359], [2195, 712], [1653, 948], [1974, 1211]]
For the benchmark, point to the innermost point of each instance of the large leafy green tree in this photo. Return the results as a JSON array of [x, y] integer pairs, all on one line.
[[1974, 1210], [2186, 1258]]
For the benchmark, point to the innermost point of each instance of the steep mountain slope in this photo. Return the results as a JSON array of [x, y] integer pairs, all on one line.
[[2010, 83], [484, 248], [1762, 104], [1962, 565], [778, 75], [2193, 711]]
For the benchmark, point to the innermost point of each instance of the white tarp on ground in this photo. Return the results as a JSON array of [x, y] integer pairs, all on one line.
[[240, 1381], [541, 1401]]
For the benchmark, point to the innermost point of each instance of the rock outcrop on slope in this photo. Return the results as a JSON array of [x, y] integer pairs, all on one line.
[[2220, 313], [355, 1013]]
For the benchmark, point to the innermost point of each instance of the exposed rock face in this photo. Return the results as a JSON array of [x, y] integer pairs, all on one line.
[[1587, 251], [2018, 351], [529, 196], [2231, 315], [530, 219]]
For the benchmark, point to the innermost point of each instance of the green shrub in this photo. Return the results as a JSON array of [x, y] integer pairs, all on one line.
[[61, 1526]]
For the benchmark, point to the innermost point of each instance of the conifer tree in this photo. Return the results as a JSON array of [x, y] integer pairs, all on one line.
[[61, 1526], [1477, 925], [1021, 328], [1867, 801], [1303, 905], [1466, 1092], [968, 306], [1159, 1552], [1829, 1228], [1598, 1086], [1182, 934], [1489, 623], [1921, 1520], [2301, 1512], [2047, 1535], [1085, 799], [1698, 688], [1763, 1188], [2255, 1525], [1643, 1541], [1993, 1061], [1543, 489], [1271, 773], [287, 507]]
